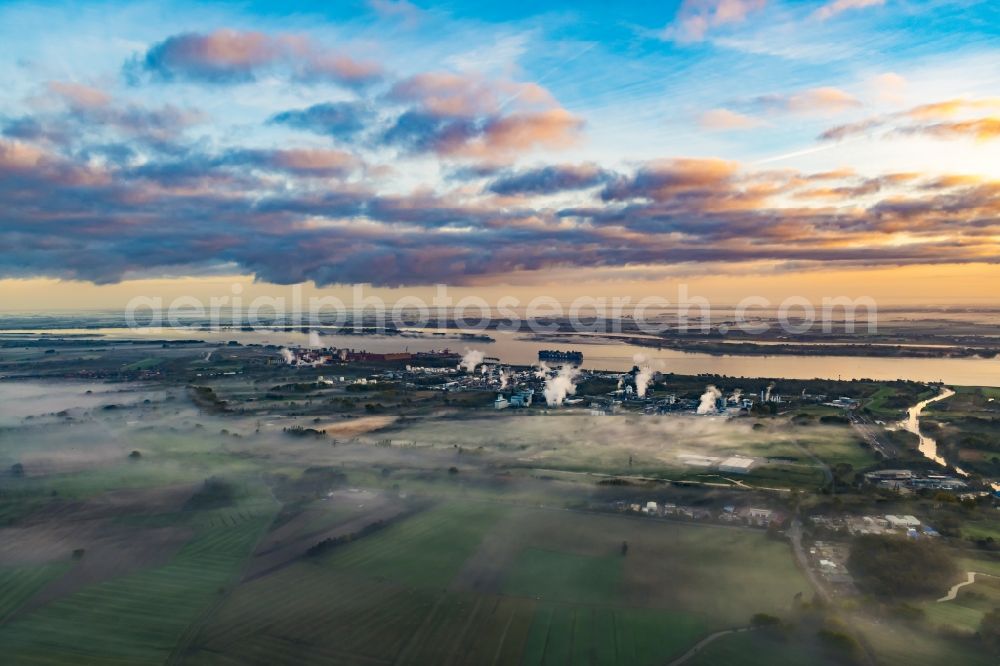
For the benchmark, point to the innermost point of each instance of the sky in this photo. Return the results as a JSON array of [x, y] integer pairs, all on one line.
[[816, 148]]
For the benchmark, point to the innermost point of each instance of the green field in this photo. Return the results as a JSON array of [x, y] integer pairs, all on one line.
[[18, 584], [140, 617], [466, 579], [756, 648], [564, 577], [423, 551]]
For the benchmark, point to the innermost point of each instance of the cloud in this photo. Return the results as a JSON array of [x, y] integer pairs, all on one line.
[[291, 214], [448, 94], [401, 10], [231, 56], [953, 118], [836, 7], [549, 179], [468, 116], [816, 101], [335, 119], [79, 95], [983, 129], [889, 87], [301, 161], [666, 179], [724, 120], [695, 18], [89, 112]]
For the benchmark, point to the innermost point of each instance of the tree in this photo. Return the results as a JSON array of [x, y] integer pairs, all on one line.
[[989, 629], [17, 469], [764, 620], [894, 566], [624, 548]]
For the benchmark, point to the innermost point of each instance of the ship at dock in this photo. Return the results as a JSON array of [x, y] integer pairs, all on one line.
[[564, 356]]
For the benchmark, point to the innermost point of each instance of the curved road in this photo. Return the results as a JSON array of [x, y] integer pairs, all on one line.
[[705, 641], [953, 592]]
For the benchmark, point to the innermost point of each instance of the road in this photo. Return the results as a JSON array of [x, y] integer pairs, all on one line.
[[872, 434], [794, 533], [705, 641], [971, 578]]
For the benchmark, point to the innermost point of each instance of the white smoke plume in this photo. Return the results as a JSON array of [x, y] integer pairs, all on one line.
[[559, 385], [543, 370], [708, 398], [647, 369], [767, 395], [504, 378], [472, 358], [483, 369], [737, 394], [288, 356], [621, 383]]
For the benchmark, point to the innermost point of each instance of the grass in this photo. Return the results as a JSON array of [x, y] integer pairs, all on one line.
[[563, 634], [425, 550], [758, 649], [477, 583], [140, 617], [567, 577], [309, 613], [144, 364], [914, 645], [965, 612], [18, 584], [847, 450]]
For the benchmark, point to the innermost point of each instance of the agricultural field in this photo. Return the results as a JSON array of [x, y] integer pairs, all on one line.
[[139, 617], [788, 454], [499, 581]]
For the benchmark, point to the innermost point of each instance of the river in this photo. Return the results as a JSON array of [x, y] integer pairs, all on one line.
[[605, 354], [927, 446]]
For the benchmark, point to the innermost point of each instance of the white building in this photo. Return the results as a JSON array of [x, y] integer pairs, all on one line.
[[903, 521], [736, 465]]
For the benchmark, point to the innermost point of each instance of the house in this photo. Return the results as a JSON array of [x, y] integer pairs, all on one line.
[[651, 508], [759, 515], [500, 403]]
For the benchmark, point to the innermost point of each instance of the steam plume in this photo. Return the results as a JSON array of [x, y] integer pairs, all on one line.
[[559, 385], [503, 379], [472, 358], [288, 356], [644, 376], [708, 398]]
